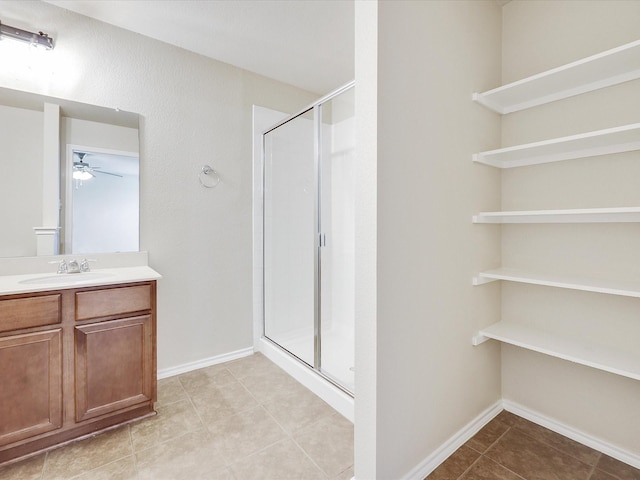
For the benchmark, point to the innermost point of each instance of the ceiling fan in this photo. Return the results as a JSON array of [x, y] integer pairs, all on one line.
[[83, 171]]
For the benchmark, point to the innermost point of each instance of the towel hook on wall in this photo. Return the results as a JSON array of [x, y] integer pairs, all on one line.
[[208, 177]]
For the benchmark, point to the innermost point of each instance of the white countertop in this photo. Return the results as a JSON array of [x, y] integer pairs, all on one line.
[[41, 282]]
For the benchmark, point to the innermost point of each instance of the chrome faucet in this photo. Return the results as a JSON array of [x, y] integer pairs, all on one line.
[[74, 267], [84, 264], [62, 266]]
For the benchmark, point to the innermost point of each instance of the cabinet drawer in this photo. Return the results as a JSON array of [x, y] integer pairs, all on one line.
[[113, 301], [29, 312]]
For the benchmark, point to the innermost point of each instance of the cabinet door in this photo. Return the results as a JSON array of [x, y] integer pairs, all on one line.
[[30, 385], [114, 366]]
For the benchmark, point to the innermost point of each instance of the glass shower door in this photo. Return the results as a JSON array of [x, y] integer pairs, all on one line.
[[290, 236], [337, 254]]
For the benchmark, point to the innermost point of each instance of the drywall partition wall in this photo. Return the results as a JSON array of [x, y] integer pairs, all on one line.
[[99, 135], [431, 381], [21, 150], [194, 111], [47, 236], [537, 36], [365, 239]]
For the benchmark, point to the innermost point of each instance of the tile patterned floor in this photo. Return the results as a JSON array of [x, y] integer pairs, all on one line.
[[244, 419], [512, 448]]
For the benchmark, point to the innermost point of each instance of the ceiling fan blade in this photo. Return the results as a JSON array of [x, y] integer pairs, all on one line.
[[107, 173], [84, 166]]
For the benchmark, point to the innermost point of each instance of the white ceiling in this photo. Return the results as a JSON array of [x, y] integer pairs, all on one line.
[[306, 43]]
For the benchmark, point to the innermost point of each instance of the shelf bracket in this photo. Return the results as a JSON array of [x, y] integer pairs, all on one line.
[[480, 280], [478, 339], [483, 100]]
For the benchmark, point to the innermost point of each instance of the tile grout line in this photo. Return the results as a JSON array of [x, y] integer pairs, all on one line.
[[310, 459], [101, 466], [81, 441], [290, 437], [168, 440], [306, 454], [509, 427], [44, 465], [544, 442], [166, 403], [202, 423], [287, 433], [192, 405], [564, 452], [133, 451], [507, 468], [260, 404], [469, 467], [482, 454], [252, 454]]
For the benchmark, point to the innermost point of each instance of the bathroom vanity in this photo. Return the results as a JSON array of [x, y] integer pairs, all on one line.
[[77, 355]]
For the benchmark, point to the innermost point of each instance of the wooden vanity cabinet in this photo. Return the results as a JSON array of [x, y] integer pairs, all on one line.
[[30, 385], [74, 362], [114, 358], [30, 367]]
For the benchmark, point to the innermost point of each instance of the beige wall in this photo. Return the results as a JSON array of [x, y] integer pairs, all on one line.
[[21, 136], [539, 35], [195, 111], [430, 381]]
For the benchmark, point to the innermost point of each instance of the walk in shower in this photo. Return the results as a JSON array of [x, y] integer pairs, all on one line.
[[308, 236]]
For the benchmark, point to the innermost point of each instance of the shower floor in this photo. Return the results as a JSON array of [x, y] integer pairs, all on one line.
[[337, 353]]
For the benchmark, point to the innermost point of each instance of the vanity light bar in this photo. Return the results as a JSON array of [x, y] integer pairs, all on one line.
[[39, 39]]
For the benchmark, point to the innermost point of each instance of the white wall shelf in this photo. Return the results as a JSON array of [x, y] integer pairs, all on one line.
[[610, 287], [604, 69], [583, 215], [598, 71], [591, 354], [601, 142]]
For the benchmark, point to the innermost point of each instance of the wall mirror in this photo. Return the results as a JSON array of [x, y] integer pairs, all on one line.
[[74, 172]]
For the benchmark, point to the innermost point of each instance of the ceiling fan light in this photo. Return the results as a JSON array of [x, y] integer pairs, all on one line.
[[82, 175]]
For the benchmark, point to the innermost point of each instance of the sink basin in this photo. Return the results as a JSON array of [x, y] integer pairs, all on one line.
[[66, 279]]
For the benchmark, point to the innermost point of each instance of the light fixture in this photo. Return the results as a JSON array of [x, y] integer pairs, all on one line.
[[39, 39], [82, 175]]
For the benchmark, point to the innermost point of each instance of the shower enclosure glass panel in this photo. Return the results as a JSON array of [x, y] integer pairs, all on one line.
[[337, 219], [309, 182], [290, 226]]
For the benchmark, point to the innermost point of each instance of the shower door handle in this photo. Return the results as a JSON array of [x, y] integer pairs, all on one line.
[[322, 240]]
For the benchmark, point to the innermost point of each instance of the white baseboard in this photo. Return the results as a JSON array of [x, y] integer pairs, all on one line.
[[463, 435], [205, 362], [569, 432]]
